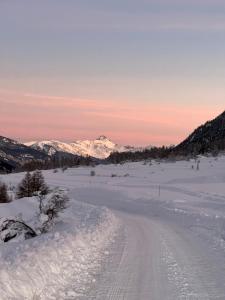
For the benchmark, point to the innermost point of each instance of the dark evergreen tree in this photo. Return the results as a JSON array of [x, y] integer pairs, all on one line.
[[38, 183], [4, 197], [31, 184], [25, 187]]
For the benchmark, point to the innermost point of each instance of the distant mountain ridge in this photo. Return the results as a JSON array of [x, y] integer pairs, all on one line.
[[99, 148], [206, 138], [14, 154]]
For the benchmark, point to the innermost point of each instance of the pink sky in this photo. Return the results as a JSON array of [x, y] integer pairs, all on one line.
[[25, 116], [140, 72]]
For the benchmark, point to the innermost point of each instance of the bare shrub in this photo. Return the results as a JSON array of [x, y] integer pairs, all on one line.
[[64, 169], [92, 173], [50, 207]]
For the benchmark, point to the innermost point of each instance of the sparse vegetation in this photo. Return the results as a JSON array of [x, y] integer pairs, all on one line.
[[64, 168], [92, 173], [50, 207]]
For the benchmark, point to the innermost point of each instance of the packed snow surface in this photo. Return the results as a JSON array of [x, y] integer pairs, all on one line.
[[160, 236]]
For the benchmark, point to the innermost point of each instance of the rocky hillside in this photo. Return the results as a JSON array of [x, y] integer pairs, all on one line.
[[14, 154], [206, 138]]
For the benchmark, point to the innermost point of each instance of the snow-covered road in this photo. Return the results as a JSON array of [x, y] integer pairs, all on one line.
[[161, 254]]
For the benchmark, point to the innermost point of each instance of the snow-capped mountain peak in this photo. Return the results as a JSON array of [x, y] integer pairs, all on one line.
[[102, 138], [100, 148]]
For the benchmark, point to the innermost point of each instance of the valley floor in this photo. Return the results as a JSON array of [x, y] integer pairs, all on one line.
[[162, 235]]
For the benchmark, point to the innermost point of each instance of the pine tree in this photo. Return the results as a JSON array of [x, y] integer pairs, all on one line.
[[32, 184], [38, 183], [4, 197], [25, 187]]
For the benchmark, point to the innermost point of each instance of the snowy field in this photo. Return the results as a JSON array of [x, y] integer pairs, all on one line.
[[138, 231]]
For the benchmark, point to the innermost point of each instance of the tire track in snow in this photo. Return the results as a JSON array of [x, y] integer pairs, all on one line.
[[137, 274]]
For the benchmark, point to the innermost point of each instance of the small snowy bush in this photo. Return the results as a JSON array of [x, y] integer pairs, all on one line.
[[50, 207]]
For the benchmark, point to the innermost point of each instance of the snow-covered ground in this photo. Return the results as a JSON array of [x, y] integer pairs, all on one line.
[[161, 235], [61, 264]]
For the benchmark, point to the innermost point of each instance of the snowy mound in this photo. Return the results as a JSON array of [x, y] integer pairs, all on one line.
[[60, 264]]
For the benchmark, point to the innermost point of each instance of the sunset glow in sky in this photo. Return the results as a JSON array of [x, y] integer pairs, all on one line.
[[138, 71]]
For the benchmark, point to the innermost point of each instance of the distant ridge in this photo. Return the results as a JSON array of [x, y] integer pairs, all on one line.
[[14, 154], [206, 138]]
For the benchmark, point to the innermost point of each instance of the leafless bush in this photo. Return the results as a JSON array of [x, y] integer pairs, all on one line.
[[92, 173], [64, 169]]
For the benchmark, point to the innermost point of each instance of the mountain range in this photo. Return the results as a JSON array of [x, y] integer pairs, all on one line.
[[208, 137], [99, 148], [14, 154]]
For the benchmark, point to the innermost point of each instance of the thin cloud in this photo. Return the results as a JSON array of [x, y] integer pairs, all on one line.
[[53, 117]]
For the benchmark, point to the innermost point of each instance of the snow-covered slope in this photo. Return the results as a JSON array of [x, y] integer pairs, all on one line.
[[13, 154], [60, 264], [101, 148]]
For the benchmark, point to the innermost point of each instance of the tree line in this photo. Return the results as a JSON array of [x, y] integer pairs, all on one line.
[[152, 153], [55, 163]]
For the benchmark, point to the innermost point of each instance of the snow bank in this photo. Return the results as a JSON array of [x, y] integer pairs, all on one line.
[[60, 265]]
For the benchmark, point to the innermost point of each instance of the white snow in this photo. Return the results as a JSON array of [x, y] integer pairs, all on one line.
[[61, 264], [168, 216]]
